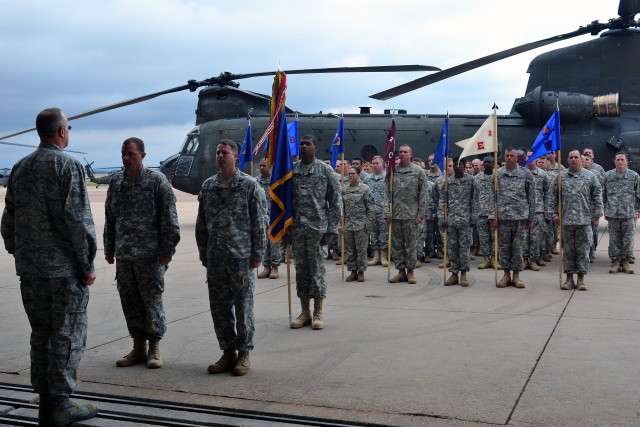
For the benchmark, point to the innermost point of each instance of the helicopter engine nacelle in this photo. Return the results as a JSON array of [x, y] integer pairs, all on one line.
[[538, 106]]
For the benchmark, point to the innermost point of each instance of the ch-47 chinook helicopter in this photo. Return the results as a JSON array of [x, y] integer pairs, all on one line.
[[595, 83]]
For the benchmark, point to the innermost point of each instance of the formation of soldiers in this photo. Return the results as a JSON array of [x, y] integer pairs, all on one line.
[[420, 213]]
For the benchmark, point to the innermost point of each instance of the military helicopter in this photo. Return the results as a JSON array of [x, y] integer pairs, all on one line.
[[4, 176], [595, 84], [103, 180]]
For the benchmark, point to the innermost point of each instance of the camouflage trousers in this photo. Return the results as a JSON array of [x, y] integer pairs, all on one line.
[[140, 285], [379, 233], [57, 312], [576, 243], [485, 236], [272, 254], [511, 240], [310, 268], [355, 249], [434, 240], [403, 243], [458, 244], [231, 284], [594, 241], [421, 239], [535, 238], [621, 233]]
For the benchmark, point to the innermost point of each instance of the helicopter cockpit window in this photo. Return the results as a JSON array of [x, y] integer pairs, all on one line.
[[191, 146]]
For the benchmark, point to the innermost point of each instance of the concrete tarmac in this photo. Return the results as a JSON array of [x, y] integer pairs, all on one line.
[[398, 354]]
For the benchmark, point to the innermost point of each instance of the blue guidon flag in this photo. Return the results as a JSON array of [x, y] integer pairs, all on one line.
[[337, 145], [548, 139], [281, 188]]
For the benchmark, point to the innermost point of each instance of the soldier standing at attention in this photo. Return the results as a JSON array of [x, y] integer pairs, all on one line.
[[483, 205], [457, 222], [273, 251], [410, 200], [516, 209], [317, 212], [621, 197], [48, 228], [581, 209], [433, 242], [535, 236], [379, 230], [141, 232], [358, 217], [231, 236]]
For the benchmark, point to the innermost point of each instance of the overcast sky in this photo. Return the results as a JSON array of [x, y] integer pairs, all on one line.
[[80, 55]]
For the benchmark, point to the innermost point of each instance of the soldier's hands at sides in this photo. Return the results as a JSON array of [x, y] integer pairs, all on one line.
[[594, 222], [366, 229], [388, 220], [165, 259], [419, 220], [494, 224], [326, 239], [286, 239], [528, 224], [445, 224], [109, 258], [254, 264], [340, 229], [88, 279], [556, 220]]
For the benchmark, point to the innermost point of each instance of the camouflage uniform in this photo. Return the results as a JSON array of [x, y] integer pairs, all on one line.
[[599, 173], [483, 206], [460, 198], [358, 215], [621, 198], [553, 228], [581, 203], [597, 169], [434, 237], [273, 251], [430, 223], [317, 210], [410, 200], [516, 205], [379, 228], [336, 241], [141, 224], [231, 233], [47, 198], [535, 236]]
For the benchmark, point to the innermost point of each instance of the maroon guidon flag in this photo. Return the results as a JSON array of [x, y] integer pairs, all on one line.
[[390, 154]]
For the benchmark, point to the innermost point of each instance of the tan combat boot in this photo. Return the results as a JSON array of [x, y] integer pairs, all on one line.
[[375, 260], [495, 263], [274, 272], [441, 265], [517, 280], [506, 279], [360, 276], [305, 316], [242, 365], [264, 273], [555, 251], [541, 262], [339, 261], [547, 257], [464, 282], [410, 277], [352, 277], [525, 264], [626, 268], [137, 355], [486, 264], [154, 360], [383, 258], [615, 268], [580, 283], [568, 284], [318, 319], [418, 264], [534, 265], [452, 280], [226, 363], [400, 277]]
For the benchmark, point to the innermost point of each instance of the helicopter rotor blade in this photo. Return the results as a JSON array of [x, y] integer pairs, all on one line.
[[35, 146], [372, 69], [594, 28]]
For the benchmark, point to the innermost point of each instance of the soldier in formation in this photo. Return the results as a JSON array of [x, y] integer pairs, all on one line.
[[379, 230], [535, 236], [47, 198], [231, 238], [516, 209], [273, 251], [409, 208], [483, 206], [457, 221], [317, 211], [359, 214], [621, 197], [581, 209], [141, 232]]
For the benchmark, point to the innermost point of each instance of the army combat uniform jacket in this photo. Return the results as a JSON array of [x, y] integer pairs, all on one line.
[[410, 193], [358, 208]]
